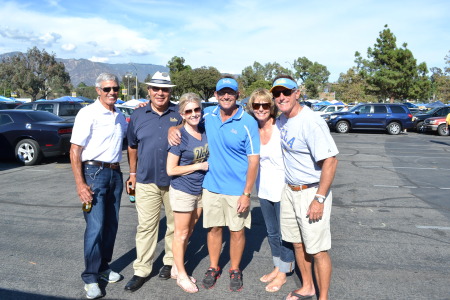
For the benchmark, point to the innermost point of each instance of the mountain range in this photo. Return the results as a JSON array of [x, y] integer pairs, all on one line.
[[86, 71]]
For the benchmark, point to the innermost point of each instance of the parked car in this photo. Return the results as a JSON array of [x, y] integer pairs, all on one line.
[[64, 109], [126, 110], [418, 119], [391, 117], [9, 104], [436, 124], [328, 109], [30, 135]]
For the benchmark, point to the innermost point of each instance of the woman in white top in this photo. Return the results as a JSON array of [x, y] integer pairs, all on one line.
[[269, 185]]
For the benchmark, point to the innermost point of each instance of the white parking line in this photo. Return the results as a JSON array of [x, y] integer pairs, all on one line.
[[433, 227], [411, 187]]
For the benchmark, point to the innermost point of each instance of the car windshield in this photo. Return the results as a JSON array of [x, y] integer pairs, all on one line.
[[430, 112], [39, 116], [354, 108]]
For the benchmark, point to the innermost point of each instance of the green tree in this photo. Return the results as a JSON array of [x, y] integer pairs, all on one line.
[[86, 91], [259, 75], [36, 74], [392, 72], [176, 64], [204, 81], [313, 75], [352, 86], [440, 84]]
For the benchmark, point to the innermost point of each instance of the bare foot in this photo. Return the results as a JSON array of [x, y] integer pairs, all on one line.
[[276, 283], [269, 277], [187, 285], [298, 294]]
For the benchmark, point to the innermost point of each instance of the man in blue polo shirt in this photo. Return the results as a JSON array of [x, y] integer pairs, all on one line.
[[233, 141], [147, 156]]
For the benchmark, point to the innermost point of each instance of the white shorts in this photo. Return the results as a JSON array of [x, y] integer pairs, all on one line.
[[296, 227]]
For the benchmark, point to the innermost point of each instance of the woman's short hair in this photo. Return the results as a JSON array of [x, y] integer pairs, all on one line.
[[265, 96]]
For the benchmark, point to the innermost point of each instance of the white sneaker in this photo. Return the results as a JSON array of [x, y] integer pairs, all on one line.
[[110, 276], [92, 291]]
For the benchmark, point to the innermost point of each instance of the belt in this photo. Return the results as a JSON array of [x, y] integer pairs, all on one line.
[[297, 188], [113, 166]]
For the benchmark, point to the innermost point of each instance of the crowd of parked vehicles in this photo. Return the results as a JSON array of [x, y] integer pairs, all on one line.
[[31, 131]]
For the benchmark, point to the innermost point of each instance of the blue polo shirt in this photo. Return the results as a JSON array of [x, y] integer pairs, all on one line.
[[148, 131], [229, 145]]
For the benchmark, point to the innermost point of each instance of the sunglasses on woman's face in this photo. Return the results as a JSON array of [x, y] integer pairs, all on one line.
[[189, 111], [286, 92], [109, 88], [265, 106]]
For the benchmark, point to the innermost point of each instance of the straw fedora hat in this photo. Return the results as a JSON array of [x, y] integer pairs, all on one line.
[[160, 80]]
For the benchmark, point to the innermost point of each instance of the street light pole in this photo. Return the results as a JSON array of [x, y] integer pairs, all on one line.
[[136, 80], [128, 76]]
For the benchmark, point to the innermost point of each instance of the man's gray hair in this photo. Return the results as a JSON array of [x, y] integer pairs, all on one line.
[[105, 77]]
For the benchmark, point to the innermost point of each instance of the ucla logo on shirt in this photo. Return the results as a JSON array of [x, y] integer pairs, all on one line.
[[284, 137], [200, 154], [173, 119], [234, 131]]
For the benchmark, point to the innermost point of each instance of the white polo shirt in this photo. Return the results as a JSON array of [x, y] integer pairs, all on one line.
[[100, 132]]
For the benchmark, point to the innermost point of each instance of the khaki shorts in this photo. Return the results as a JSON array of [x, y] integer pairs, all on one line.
[[295, 226], [184, 202], [221, 210]]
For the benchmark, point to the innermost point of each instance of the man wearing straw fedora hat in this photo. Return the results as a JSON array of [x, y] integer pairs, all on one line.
[[147, 155]]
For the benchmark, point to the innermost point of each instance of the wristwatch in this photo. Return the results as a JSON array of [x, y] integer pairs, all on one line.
[[246, 194], [320, 198]]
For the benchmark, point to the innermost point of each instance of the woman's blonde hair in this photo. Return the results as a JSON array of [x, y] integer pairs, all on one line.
[[187, 98], [264, 95]]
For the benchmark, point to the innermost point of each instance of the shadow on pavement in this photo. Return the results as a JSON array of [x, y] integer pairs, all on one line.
[[197, 249], [17, 295]]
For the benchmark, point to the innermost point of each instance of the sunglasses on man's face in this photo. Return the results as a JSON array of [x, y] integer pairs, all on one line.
[[222, 93], [156, 89], [265, 106], [109, 88], [286, 92], [189, 111]]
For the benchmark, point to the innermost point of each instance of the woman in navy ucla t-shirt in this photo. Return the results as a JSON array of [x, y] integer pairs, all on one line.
[[187, 165]]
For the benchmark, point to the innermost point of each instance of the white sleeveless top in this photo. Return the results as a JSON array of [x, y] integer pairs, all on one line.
[[270, 181]]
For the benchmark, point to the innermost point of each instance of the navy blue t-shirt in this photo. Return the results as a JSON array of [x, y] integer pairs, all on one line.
[[190, 151], [148, 131]]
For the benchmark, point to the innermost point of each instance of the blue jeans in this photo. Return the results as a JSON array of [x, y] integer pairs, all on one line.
[[102, 221], [282, 252]]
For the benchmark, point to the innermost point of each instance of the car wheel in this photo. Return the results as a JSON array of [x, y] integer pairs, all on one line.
[[442, 129], [28, 152], [342, 127], [420, 127], [394, 128]]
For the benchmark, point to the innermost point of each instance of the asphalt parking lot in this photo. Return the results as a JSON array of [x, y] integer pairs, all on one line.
[[390, 229]]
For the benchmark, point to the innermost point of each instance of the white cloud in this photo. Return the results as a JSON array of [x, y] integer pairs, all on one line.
[[68, 47], [99, 59]]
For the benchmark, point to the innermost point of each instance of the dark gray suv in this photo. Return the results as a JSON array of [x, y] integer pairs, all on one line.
[[64, 109], [391, 117]]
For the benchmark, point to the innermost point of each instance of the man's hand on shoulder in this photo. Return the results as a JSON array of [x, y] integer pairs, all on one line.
[[174, 135]]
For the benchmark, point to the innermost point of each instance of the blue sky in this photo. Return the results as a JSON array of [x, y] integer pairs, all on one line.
[[228, 35]]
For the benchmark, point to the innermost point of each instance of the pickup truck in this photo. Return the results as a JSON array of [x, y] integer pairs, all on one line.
[[436, 124]]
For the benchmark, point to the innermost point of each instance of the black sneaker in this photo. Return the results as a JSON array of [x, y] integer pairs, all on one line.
[[236, 283], [211, 277]]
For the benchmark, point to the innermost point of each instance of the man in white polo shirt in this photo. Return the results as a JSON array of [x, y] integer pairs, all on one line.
[[95, 156]]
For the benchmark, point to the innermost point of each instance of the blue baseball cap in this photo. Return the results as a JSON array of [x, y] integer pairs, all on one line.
[[284, 82], [227, 83]]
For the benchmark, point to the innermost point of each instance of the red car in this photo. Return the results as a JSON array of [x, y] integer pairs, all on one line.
[[436, 124]]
